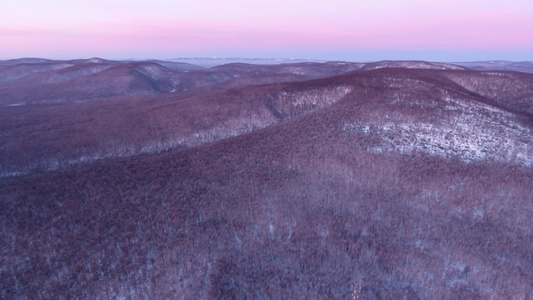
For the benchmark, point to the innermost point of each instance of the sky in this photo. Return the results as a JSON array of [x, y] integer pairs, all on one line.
[[350, 30]]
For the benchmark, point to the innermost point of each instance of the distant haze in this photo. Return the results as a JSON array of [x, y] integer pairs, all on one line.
[[326, 30]]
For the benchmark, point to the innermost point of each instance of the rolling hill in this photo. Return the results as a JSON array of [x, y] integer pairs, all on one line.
[[395, 180]]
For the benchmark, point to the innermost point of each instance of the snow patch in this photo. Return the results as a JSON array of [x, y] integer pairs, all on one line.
[[469, 130]]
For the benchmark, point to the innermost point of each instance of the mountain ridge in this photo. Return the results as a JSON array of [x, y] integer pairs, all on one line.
[[262, 182]]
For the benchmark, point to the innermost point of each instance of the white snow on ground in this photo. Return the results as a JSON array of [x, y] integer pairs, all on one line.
[[466, 129], [469, 130], [414, 65], [242, 124], [156, 73], [319, 97], [95, 60], [292, 102], [71, 74], [24, 71]]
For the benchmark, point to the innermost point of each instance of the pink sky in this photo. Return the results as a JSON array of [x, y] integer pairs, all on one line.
[[355, 30]]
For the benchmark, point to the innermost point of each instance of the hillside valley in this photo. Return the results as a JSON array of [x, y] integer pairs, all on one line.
[[337, 180]]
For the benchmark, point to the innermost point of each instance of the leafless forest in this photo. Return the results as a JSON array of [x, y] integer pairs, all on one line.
[[165, 180]]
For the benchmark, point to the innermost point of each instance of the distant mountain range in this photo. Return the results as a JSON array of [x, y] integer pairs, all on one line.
[[500, 65], [216, 61], [307, 180], [32, 80]]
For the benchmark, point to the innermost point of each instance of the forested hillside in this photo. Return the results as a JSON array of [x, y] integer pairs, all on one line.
[[391, 180]]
